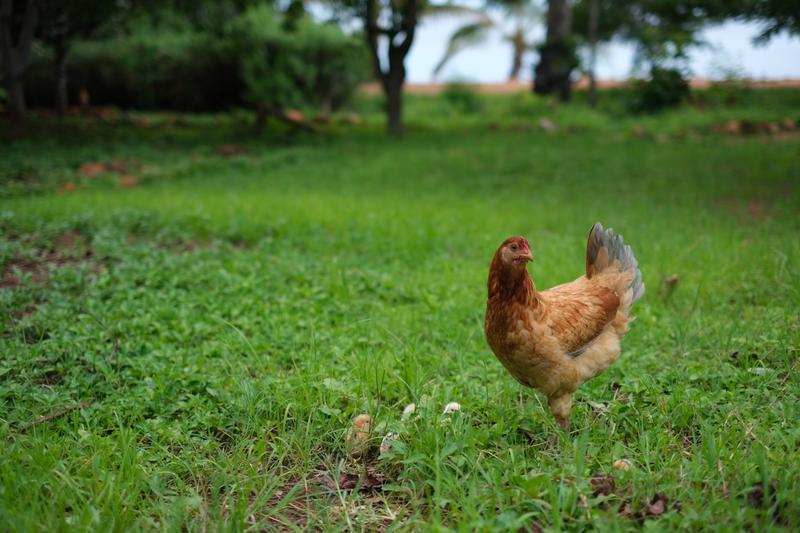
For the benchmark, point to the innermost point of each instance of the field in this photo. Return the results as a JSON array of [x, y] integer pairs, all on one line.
[[187, 351]]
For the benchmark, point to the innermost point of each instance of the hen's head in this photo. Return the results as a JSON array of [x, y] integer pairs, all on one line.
[[514, 253]]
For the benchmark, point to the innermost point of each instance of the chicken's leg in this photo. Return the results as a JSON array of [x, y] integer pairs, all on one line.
[[560, 406]]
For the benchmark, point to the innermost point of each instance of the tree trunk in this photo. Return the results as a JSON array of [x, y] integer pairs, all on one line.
[[592, 38], [518, 45], [394, 108], [14, 56], [557, 58], [61, 97], [16, 99], [400, 36]]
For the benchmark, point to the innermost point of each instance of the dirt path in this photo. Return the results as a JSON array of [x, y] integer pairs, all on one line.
[[518, 86]]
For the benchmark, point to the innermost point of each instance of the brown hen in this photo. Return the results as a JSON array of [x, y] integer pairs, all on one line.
[[556, 340]]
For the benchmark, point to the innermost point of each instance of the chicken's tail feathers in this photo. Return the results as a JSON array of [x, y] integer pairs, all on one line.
[[605, 249]]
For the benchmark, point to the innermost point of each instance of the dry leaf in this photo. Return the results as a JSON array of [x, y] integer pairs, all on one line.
[[128, 181], [657, 505], [67, 187], [118, 166], [294, 115], [547, 125], [227, 150], [602, 485], [91, 170]]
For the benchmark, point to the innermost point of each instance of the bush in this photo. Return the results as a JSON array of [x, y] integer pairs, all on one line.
[[254, 61], [462, 98], [311, 65], [182, 71], [666, 88]]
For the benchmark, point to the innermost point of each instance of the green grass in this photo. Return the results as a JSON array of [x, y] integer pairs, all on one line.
[[342, 273]]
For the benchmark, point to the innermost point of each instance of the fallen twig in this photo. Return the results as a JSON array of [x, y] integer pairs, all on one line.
[[55, 414]]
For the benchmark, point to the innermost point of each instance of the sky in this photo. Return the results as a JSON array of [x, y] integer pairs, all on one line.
[[729, 49]]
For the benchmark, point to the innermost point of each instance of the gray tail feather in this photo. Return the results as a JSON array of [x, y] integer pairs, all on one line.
[[617, 250]]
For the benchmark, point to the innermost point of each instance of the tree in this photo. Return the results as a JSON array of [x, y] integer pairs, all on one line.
[[396, 21], [63, 21], [523, 13], [18, 22], [661, 31], [557, 55], [776, 15], [389, 27]]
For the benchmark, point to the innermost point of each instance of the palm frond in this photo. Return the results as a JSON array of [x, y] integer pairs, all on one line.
[[464, 37], [447, 9]]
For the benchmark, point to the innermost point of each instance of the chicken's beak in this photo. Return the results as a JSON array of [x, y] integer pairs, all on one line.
[[523, 258]]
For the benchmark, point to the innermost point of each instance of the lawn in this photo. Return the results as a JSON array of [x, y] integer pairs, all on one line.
[[199, 342]]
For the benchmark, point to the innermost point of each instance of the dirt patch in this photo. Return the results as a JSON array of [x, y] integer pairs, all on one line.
[[746, 211], [229, 150], [68, 248], [583, 83], [49, 377], [786, 129]]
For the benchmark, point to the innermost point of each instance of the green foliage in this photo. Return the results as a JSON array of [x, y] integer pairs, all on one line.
[[309, 65], [148, 69], [665, 88], [775, 16], [173, 66], [462, 98], [661, 31]]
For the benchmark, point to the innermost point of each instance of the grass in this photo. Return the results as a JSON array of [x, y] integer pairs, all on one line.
[[229, 317]]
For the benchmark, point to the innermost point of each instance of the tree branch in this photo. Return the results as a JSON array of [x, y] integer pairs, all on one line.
[[55, 414]]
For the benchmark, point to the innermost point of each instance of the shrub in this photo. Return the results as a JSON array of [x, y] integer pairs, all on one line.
[[187, 71], [254, 61], [311, 65], [665, 88], [462, 98]]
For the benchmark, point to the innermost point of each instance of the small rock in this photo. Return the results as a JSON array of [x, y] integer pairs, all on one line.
[[547, 125], [622, 464], [452, 407], [357, 438], [386, 443]]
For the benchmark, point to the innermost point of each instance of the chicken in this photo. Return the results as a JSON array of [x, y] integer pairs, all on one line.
[[556, 340]]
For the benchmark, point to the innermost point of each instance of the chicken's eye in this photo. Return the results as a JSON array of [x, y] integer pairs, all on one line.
[[514, 247]]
